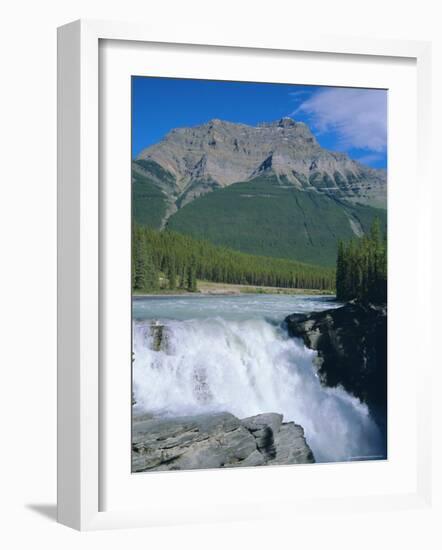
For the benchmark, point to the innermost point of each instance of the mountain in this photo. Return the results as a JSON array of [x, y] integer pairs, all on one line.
[[212, 180], [266, 217]]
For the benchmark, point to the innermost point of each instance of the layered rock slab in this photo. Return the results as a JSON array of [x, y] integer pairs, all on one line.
[[218, 440]]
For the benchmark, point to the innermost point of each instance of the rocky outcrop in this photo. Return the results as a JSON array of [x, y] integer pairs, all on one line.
[[158, 335], [193, 161], [351, 342], [216, 441]]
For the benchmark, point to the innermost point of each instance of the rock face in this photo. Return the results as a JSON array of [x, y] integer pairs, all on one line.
[[190, 162], [351, 342], [216, 441], [250, 188]]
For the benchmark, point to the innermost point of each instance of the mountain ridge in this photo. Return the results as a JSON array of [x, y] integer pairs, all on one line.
[[219, 153], [269, 189], [267, 216]]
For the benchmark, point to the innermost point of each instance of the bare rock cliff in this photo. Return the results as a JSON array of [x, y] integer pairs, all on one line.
[[219, 153]]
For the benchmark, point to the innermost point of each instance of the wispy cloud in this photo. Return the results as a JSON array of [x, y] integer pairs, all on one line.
[[358, 117], [370, 158], [299, 93]]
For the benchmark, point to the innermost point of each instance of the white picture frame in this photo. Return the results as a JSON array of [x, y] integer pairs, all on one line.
[[80, 292]]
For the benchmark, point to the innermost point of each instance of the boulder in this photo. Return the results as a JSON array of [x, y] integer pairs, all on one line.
[[216, 440]]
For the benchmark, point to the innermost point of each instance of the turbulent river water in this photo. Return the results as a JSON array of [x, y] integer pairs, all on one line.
[[232, 353]]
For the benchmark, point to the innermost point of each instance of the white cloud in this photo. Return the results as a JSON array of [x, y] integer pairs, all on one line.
[[370, 158], [359, 117], [298, 93]]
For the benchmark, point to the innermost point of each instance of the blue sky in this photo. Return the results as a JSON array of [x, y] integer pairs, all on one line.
[[343, 119]]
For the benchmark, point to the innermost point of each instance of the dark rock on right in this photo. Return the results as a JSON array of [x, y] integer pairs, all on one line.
[[351, 342]]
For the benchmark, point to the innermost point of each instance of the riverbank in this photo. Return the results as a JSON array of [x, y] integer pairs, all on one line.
[[224, 289]]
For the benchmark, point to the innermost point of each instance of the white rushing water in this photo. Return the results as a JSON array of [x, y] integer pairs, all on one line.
[[247, 366]]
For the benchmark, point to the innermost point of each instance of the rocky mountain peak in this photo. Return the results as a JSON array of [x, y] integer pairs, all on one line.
[[219, 153], [284, 122], [217, 122]]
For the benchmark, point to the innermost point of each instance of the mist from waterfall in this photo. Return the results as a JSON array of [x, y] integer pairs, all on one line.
[[247, 367]]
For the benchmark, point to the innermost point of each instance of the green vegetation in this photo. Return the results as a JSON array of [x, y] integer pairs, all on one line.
[[144, 272], [155, 171], [184, 259], [361, 268], [149, 203], [269, 217]]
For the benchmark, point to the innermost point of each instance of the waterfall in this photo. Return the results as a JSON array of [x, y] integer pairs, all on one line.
[[247, 367]]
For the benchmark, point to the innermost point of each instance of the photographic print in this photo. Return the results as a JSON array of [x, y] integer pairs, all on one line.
[[259, 274]]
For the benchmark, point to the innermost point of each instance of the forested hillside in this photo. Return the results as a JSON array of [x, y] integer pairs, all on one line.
[[182, 259], [361, 268], [149, 202], [268, 216], [267, 190]]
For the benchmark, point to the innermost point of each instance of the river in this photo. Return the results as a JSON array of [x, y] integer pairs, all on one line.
[[232, 353]]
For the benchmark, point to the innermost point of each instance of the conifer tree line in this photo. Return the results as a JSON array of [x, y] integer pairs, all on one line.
[[361, 268], [182, 260], [144, 272]]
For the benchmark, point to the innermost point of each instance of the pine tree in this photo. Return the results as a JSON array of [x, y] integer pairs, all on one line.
[[171, 274], [167, 252], [139, 253], [144, 272], [151, 273], [191, 278], [361, 268], [340, 272], [133, 266], [183, 277]]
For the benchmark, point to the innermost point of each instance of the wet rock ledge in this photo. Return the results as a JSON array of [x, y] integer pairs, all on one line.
[[351, 342], [216, 441]]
